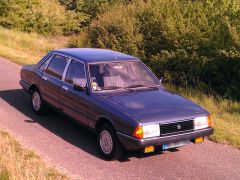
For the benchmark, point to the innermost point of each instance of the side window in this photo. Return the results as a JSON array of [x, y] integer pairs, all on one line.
[[43, 66], [76, 73], [57, 66]]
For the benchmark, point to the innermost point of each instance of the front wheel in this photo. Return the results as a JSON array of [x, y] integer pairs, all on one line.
[[38, 105], [108, 143]]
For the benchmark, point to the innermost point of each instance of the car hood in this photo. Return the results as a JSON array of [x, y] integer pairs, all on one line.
[[153, 105]]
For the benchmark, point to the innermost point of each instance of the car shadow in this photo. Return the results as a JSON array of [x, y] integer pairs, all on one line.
[[60, 125]]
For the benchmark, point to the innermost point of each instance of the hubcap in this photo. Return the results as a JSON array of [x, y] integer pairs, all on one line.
[[106, 142], [36, 101]]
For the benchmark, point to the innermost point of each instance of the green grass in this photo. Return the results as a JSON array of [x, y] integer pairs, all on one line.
[[19, 163], [27, 48], [225, 114]]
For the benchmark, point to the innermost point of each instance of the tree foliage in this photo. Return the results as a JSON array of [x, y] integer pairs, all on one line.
[[188, 42], [92, 8], [42, 16]]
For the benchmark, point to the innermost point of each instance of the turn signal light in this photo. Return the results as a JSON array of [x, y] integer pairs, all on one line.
[[198, 140], [209, 120], [138, 133], [149, 149]]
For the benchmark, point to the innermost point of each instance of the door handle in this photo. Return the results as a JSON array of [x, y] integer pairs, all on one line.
[[44, 78], [65, 88]]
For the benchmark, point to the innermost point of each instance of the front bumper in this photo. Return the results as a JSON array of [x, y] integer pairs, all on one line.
[[131, 143]]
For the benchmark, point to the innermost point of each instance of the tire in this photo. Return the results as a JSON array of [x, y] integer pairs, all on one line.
[[108, 143], [38, 105]]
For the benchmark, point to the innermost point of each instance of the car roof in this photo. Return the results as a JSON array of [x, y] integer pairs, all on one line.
[[90, 55]]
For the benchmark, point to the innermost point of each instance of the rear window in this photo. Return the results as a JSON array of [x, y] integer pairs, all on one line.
[[57, 66]]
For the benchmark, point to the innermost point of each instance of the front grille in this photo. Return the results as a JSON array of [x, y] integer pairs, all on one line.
[[177, 127]]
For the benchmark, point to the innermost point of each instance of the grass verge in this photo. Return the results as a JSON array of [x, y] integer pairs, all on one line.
[[19, 163], [27, 48], [225, 113]]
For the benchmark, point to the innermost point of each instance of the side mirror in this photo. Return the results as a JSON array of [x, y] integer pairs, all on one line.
[[79, 87]]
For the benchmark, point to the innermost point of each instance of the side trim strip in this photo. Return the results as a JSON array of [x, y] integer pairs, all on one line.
[[22, 82]]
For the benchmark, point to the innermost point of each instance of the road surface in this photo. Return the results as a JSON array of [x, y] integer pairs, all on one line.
[[72, 149]]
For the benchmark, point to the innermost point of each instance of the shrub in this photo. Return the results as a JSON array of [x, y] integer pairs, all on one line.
[[117, 31], [92, 9], [4, 8], [188, 42], [191, 43], [41, 16]]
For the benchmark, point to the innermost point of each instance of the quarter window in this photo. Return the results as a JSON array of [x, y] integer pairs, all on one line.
[[76, 73], [57, 66], [43, 66]]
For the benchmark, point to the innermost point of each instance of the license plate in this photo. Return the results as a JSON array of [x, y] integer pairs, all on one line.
[[175, 144]]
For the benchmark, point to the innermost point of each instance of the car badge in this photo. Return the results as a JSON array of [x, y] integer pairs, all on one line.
[[179, 126]]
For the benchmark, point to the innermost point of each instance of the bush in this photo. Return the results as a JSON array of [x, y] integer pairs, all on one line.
[[188, 42], [191, 43], [4, 8], [41, 16], [92, 9], [117, 31], [53, 17]]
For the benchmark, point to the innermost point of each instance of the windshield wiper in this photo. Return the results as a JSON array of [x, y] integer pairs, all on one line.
[[153, 86], [111, 87], [135, 86]]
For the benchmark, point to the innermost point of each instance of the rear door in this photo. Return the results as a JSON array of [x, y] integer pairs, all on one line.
[[75, 103], [51, 81]]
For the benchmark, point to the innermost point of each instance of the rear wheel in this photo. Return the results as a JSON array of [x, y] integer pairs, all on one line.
[[38, 104], [108, 143]]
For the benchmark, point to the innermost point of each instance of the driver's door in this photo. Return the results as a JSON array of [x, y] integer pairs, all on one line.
[[74, 103]]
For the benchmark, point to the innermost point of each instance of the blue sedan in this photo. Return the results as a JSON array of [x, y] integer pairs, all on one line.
[[116, 96]]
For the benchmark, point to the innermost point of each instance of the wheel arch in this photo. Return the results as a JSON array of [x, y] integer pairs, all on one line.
[[32, 87], [103, 120]]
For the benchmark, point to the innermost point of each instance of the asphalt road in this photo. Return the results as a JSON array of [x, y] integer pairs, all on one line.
[[72, 149]]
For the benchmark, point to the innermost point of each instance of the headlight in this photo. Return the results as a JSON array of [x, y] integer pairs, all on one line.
[[147, 131], [202, 122]]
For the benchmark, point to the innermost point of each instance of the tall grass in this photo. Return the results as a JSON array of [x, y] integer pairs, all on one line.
[[19, 163], [225, 113], [27, 48]]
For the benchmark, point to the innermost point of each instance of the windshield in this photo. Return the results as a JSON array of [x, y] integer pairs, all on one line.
[[119, 75]]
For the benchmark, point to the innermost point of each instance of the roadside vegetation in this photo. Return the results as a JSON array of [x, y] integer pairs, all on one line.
[[225, 114], [27, 48], [190, 43], [194, 45], [19, 163]]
